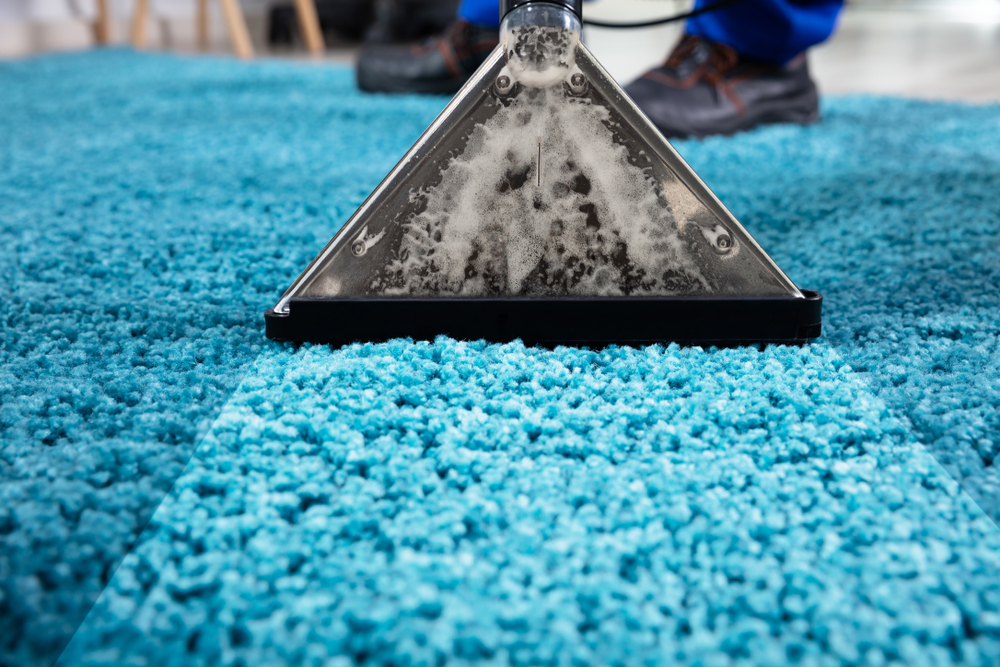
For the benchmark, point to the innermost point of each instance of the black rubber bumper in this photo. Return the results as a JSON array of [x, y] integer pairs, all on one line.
[[589, 321]]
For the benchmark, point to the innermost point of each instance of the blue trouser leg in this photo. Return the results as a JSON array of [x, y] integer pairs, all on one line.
[[775, 30], [482, 12]]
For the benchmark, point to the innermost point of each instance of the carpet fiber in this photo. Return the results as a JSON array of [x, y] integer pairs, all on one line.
[[452, 503]]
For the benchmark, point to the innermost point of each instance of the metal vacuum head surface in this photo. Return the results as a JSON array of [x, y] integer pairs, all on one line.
[[543, 205]]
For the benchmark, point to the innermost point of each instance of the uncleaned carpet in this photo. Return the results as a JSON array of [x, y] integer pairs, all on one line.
[[456, 502]]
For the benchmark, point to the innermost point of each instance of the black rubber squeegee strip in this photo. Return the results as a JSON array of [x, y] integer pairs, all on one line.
[[591, 321]]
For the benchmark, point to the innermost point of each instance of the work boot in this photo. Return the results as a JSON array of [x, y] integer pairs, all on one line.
[[440, 65], [708, 88]]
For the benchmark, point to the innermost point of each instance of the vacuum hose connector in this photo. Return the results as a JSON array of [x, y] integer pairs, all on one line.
[[539, 41], [575, 6]]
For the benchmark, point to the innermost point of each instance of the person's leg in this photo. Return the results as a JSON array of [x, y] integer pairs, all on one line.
[[771, 30], [737, 68], [775, 30]]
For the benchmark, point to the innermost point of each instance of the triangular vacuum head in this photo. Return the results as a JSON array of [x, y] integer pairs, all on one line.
[[543, 205]]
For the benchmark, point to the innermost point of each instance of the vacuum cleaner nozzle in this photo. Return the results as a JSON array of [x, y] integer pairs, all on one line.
[[542, 205]]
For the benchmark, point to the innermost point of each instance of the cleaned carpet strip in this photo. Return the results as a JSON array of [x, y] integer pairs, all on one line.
[[457, 503]]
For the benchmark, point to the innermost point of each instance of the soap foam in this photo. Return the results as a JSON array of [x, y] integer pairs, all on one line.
[[591, 223]]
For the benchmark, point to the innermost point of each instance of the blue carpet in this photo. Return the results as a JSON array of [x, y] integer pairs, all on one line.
[[452, 503]]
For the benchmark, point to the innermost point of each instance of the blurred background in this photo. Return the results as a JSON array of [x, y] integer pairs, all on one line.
[[933, 49]]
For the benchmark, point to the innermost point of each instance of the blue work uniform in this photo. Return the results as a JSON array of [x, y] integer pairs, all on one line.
[[772, 30]]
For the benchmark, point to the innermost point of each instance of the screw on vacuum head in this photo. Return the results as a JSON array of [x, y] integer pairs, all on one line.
[[359, 248], [723, 244], [577, 84], [504, 84]]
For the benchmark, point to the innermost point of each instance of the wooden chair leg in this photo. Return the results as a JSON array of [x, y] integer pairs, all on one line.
[[139, 21], [237, 28], [102, 28], [309, 22], [203, 25]]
